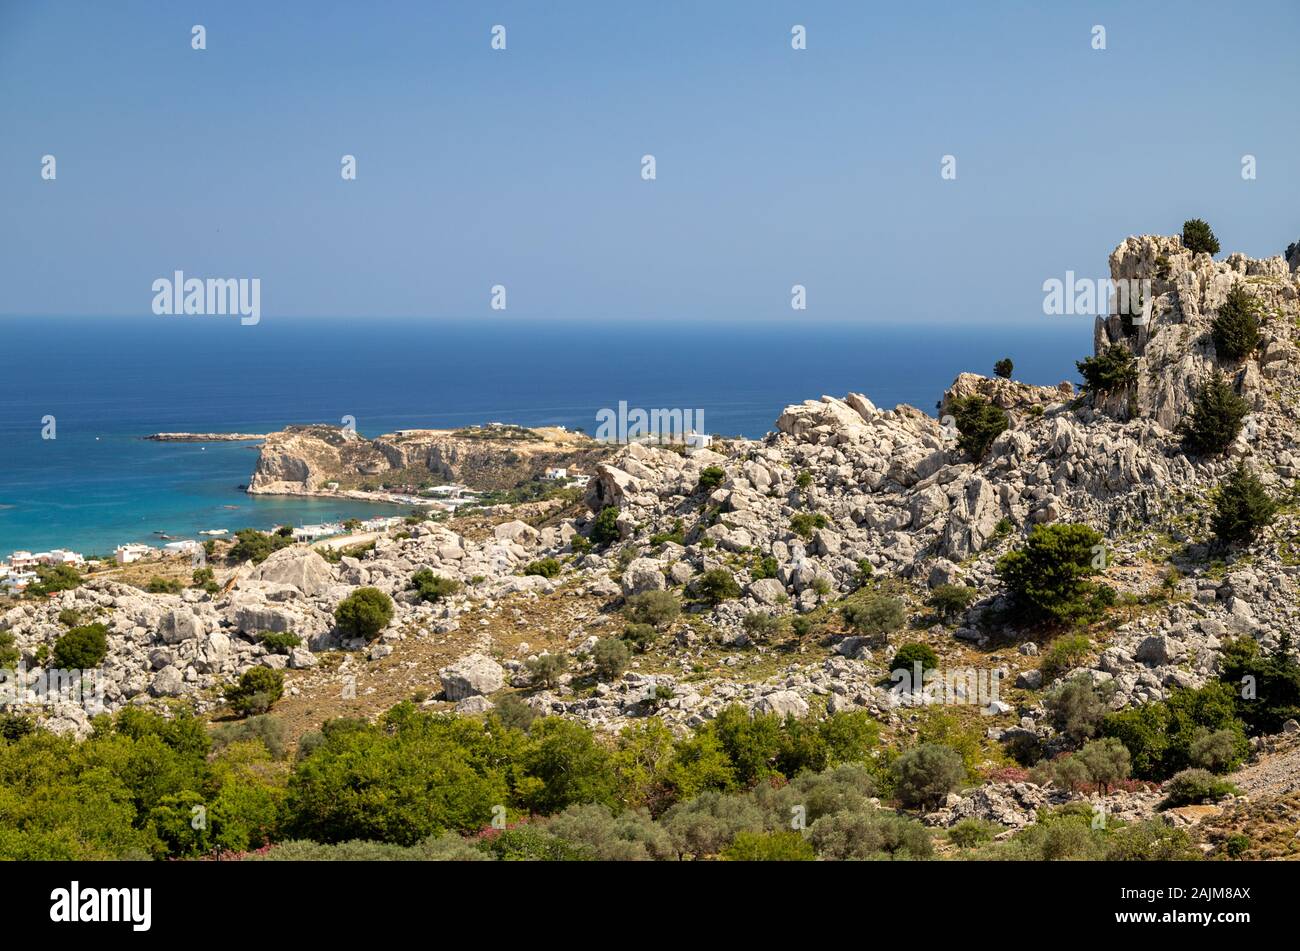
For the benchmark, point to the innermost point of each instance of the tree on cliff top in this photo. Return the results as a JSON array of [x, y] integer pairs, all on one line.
[[1197, 237]]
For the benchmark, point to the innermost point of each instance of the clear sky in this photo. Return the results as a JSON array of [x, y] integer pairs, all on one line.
[[522, 167]]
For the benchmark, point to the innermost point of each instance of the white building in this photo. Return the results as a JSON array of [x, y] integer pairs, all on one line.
[[126, 554], [557, 473], [699, 440], [59, 556], [21, 559]]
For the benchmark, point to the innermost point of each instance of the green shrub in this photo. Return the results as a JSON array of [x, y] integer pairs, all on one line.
[[639, 636], [545, 670], [433, 588], [711, 477], [1159, 736], [911, 654], [1242, 507], [1198, 237], [1236, 326], [50, 580], [1047, 579], [979, 422], [969, 833], [514, 712], [924, 775], [364, 613], [1065, 654], [1216, 418], [545, 568], [781, 846], [10, 655], [1078, 706], [278, 642], [760, 626], [1274, 679], [1112, 369], [611, 657], [804, 479], [1004, 368], [159, 585], [870, 833], [266, 730], [949, 601], [656, 608], [1194, 786], [804, 524], [717, 585], [256, 691], [604, 530], [255, 546], [877, 617], [82, 648], [764, 567], [411, 776], [676, 536], [201, 576], [1107, 762]]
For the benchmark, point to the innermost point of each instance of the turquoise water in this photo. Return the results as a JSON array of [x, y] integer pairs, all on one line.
[[108, 382]]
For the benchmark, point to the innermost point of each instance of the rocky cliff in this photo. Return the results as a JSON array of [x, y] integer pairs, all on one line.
[[303, 459]]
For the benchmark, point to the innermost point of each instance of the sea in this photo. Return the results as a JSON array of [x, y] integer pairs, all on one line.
[[97, 385]]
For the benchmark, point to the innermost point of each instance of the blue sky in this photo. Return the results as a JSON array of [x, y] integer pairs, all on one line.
[[522, 167]]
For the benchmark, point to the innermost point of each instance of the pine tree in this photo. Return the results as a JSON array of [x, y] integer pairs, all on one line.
[[1242, 507], [1216, 418]]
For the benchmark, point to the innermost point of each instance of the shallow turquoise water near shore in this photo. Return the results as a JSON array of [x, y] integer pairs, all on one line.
[[110, 381]]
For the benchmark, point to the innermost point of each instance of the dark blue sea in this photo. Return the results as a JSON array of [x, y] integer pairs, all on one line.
[[109, 381]]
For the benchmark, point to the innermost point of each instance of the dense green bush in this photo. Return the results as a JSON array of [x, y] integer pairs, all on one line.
[[1192, 787], [924, 775], [1216, 418], [804, 524], [604, 530], [1265, 688], [82, 648], [1048, 578], [1107, 762], [364, 613], [256, 690], [950, 601], [1066, 653], [1077, 707], [255, 546], [876, 617], [870, 834], [1112, 369], [717, 585], [1159, 736], [911, 654], [783, 846], [279, 642], [1242, 507], [611, 657], [1236, 326], [409, 777], [158, 585], [760, 626], [656, 608], [545, 568], [979, 422], [1004, 368], [52, 579], [545, 670], [432, 588], [711, 477], [1198, 237]]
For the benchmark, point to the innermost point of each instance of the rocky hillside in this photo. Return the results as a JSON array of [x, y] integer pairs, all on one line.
[[843, 500], [301, 460]]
